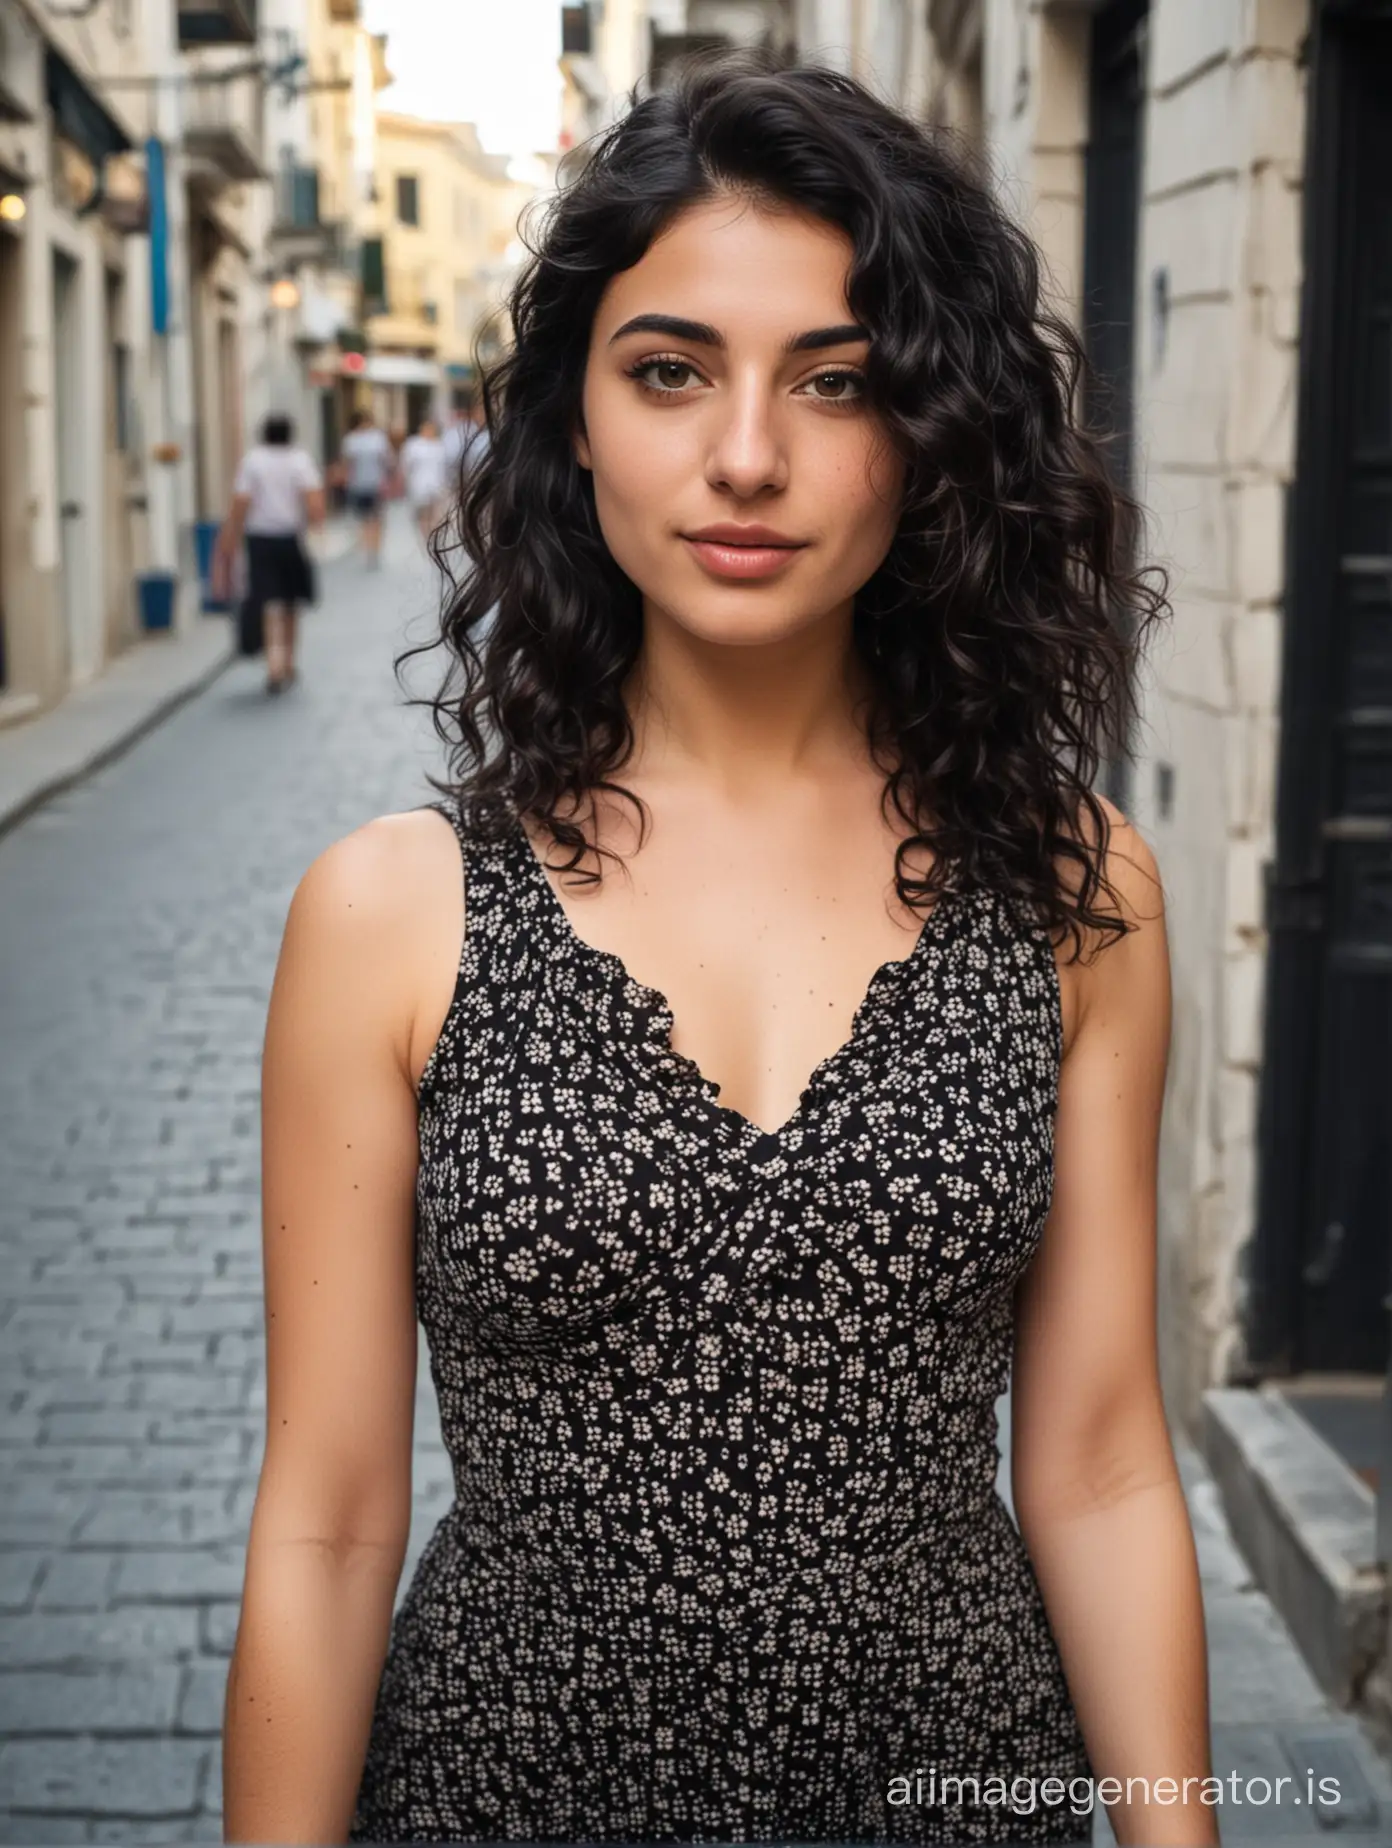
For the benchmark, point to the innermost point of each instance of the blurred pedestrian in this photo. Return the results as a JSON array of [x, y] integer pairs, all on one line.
[[424, 471], [466, 440], [455, 437], [478, 441], [368, 461], [278, 493]]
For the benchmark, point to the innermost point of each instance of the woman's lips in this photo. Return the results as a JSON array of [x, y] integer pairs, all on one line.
[[722, 559]]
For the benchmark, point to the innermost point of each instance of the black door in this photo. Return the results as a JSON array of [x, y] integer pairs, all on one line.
[[420, 400], [1325, 1216], [1111, 221], [1111, 225]]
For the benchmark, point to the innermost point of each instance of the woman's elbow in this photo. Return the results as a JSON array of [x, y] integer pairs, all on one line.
[[1123, 1451]]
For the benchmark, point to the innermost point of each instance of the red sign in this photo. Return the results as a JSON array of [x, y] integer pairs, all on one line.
[[353, 362]]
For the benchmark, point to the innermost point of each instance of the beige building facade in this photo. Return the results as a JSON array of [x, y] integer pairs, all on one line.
[[130, 149], [71, 296], [447, 216], [321, 146]]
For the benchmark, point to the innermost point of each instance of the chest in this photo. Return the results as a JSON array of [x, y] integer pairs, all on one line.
[[762, 943], [575, 1168]]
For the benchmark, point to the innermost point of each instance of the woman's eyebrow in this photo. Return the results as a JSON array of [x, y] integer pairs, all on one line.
[[701, 333]]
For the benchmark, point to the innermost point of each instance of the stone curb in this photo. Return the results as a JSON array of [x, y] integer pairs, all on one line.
[[90, 752], [1304, 1522], [101, 739]]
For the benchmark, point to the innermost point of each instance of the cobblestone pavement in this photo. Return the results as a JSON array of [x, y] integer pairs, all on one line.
[[139, 920], [139, 924]]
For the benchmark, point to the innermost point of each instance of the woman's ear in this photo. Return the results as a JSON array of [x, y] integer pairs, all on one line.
[[581, 445]]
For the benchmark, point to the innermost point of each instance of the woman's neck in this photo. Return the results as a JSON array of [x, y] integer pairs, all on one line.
[[738, 717]]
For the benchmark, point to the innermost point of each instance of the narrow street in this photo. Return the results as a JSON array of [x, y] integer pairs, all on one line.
[[139, 925], [139, 922]]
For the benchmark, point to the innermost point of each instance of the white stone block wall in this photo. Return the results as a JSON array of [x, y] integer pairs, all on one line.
[[1216, 391], [1034, 74]]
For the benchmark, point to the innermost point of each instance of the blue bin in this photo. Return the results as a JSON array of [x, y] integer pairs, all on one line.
[[156, 590], [205, 534]]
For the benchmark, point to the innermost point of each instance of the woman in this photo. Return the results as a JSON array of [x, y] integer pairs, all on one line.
[[424, 471], [277, 494], [711, 1120]]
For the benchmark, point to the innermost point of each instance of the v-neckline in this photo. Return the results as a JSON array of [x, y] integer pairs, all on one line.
[[663, 1023]]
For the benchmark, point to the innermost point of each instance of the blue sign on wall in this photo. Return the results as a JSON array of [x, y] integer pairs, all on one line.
[[159, 235]]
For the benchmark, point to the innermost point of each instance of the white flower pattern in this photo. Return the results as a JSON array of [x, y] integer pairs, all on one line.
[[726, 1555]]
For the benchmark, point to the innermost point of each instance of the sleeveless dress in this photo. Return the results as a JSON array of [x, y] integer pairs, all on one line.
[[726, 1560]]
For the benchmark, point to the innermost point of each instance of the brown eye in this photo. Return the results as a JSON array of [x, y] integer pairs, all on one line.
[[662, 377], [838, 381]]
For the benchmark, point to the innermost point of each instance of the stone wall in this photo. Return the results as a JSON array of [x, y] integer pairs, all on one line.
[[1218, 286]]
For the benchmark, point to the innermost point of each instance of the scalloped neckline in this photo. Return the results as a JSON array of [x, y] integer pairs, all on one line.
[[661, 1023]]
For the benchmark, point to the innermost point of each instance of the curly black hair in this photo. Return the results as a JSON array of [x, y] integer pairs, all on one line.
[[999, 633]]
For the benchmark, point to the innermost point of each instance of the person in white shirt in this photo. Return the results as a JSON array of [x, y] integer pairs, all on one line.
[[278, 493], [455, 439], [366, 467], [424, 466]]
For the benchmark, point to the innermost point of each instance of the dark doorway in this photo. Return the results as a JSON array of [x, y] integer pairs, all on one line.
[[1111, 222], [329, 434], [1111, 232], [1321, 1271], [420, 403]]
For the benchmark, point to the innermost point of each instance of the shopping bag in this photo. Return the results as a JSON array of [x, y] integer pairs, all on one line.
[[251, 627]]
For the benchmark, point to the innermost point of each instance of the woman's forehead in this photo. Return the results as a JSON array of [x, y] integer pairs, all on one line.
[[739, 268]]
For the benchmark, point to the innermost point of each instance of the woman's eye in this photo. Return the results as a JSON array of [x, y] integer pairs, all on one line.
[[838, 381], [669, 377], [664, 369]]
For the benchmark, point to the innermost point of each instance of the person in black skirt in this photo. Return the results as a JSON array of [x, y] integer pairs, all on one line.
[[278, 493]]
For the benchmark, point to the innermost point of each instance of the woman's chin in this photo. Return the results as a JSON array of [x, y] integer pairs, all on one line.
[[761, 623]]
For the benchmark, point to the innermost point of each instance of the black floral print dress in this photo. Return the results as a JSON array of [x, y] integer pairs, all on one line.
[[726, 1561]]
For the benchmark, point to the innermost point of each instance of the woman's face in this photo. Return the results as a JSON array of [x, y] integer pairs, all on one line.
[[743, 409]]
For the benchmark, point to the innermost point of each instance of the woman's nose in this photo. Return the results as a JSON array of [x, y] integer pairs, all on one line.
[[748, 453]]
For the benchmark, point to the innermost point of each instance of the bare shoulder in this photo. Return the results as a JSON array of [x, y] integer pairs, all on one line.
[[377, 920], [375, 878], [1120, 971], [1130, 872]]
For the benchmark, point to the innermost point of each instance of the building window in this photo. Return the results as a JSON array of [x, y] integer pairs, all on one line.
[[407, 199], [374, 281]]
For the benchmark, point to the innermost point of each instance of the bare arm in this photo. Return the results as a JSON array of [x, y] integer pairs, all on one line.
[[1096, 1487], [230, 532], [346, 1038], [314, 506], [228, 539]]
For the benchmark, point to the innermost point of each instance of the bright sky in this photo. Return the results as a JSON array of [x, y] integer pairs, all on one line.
[[490, 62]]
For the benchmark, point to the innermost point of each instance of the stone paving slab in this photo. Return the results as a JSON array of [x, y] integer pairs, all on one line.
[[140, 914]]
